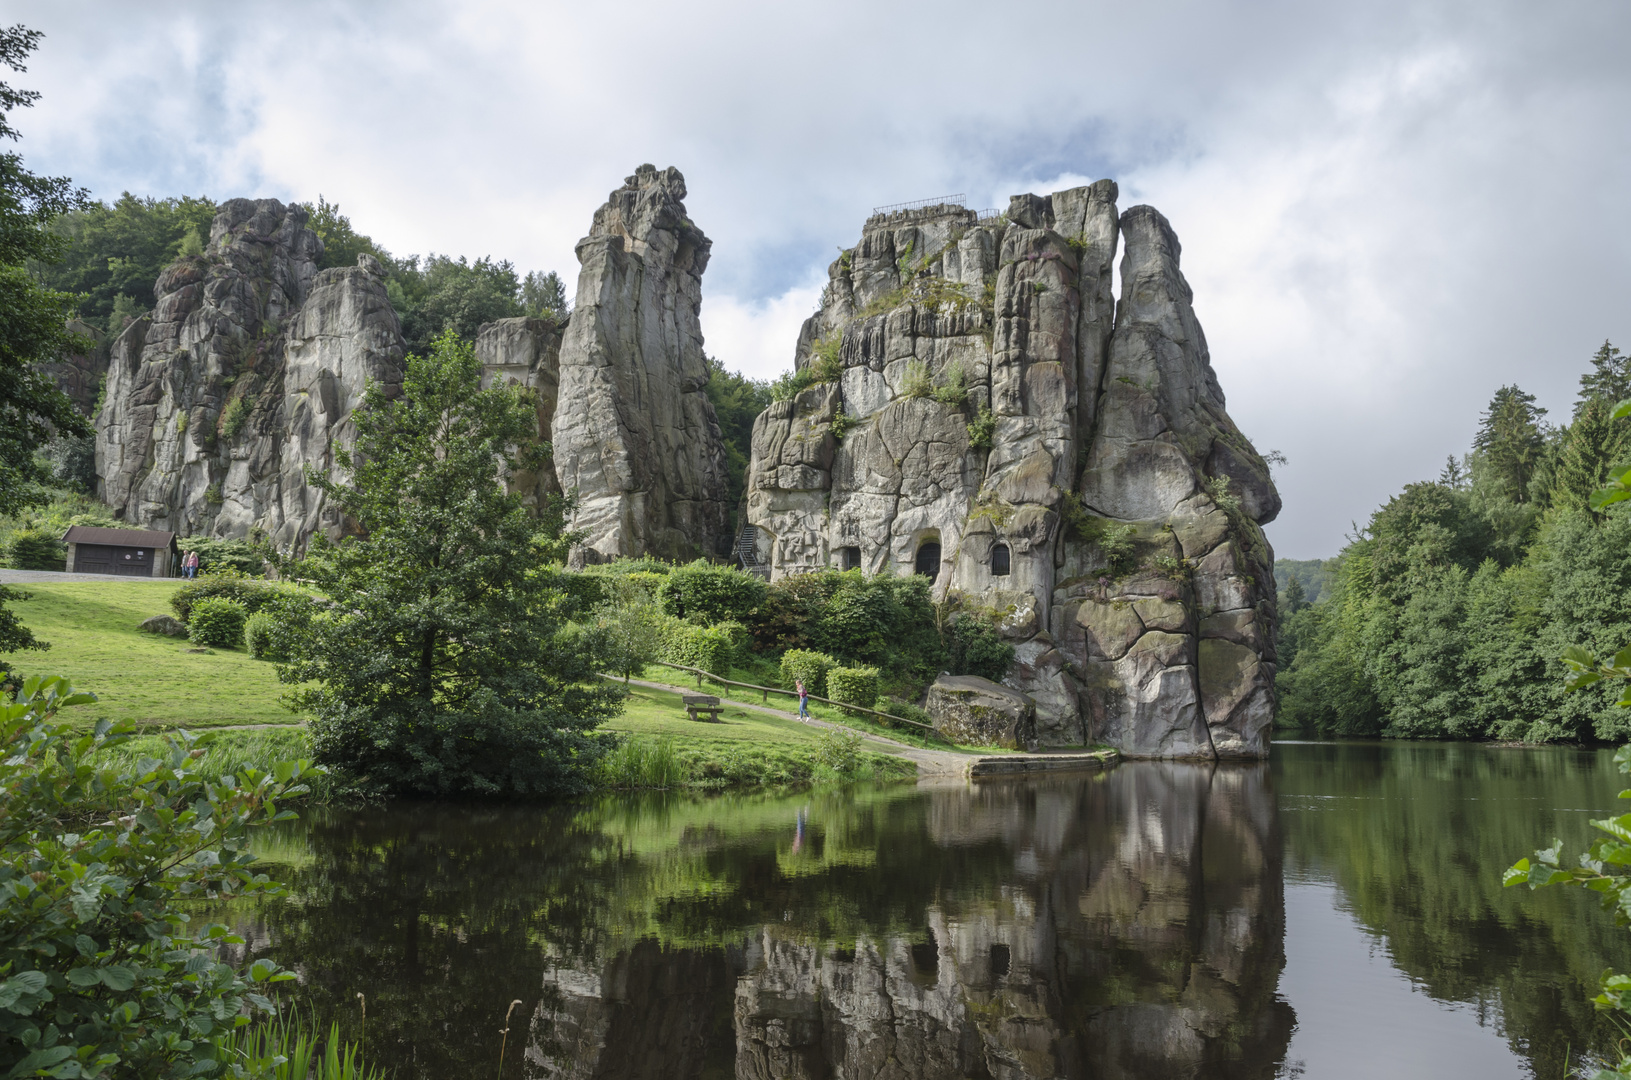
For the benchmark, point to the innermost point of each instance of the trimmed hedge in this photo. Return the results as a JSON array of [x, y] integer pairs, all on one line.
[[217, 622], [808, 665], [705, 647], [710, 594], [853, 686]]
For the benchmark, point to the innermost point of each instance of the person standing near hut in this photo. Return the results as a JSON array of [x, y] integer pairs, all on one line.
[[189, 565]]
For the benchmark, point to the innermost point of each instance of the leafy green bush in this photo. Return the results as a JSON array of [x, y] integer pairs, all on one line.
[[853, 686], [33, 550], [916, 383], [973, 647], [741, 641], [218, 623], [808, 666], [839, 750], [100, 866], [705, 593], [252, 593], [981, 430], [704, 647], [954, 390], [235, 417], [260, 641]]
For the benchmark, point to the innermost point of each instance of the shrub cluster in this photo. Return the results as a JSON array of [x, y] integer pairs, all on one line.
[[807, 666], [703, 592], [253, 593], [853, 686], [707, 647], [215, 556], [217, 622], [31, 549]]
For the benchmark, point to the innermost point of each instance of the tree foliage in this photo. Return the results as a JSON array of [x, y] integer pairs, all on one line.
[[1449, 609], [738, 401], [447, 664], [101, 974], [114, 253]]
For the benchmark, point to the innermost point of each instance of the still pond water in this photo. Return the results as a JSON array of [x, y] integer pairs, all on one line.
[[1333, 913]]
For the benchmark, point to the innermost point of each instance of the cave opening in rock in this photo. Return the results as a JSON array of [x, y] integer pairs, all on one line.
[[999, 961], [999, 560], [849, 558], [928, 559]]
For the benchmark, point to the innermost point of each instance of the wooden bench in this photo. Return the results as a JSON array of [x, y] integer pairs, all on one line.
[[701, 707]]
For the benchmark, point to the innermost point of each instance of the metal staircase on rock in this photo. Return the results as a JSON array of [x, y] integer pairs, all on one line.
[[747, 543]]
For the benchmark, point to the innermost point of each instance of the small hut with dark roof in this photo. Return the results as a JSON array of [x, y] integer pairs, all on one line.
[[121, 552]]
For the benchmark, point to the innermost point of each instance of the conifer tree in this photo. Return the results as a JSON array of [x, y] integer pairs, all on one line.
[[1512, 439]]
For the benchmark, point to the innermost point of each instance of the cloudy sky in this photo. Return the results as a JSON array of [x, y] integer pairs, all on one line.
[[1388, 210]]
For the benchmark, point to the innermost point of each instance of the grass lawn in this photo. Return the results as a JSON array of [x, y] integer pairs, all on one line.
[[744, 746], [91, 626]]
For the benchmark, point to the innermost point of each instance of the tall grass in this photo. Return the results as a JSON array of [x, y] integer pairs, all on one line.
[[229, 752], [643, 763], [257, 1048]]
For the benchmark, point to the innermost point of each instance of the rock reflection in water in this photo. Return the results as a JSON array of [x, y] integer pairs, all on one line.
[[1136, 930]]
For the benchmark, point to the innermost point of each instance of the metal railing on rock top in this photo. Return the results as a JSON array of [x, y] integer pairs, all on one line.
[[766, 691], [918, 204]]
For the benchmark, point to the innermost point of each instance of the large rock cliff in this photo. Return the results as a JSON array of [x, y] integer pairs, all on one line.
[[247, 371], [982, 410], [244, 375]]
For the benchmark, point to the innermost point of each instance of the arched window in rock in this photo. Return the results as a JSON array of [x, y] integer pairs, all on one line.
[[928, 559], [999, 560], [849, 558]]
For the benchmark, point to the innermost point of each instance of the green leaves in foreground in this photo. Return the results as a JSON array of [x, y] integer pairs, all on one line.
[[101, 974]]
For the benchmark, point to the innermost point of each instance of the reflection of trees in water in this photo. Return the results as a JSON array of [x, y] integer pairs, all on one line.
[[1417, 835], [1127, 926]]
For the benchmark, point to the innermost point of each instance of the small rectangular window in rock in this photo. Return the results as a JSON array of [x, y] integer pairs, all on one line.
[[849, 558], [999, 560]]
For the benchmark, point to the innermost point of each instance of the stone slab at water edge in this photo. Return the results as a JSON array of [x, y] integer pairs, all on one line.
[[980, 408]]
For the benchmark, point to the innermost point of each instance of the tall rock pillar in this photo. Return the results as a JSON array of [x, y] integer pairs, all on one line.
[[634, 433]]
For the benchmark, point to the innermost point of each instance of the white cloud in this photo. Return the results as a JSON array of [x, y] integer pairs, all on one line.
[[756, 337], [1387, 210]]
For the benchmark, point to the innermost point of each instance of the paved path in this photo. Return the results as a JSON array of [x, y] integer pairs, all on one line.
[[23, 577]]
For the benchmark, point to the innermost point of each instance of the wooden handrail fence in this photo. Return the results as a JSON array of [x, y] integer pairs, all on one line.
[[766, 691]]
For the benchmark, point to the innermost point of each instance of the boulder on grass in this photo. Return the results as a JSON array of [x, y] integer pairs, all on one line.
[[164, 624], [978, 712]]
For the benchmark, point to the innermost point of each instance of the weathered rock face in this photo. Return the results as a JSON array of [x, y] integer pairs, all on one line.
[[639, 441], [978, 712], [245, 375], [1085, 483], [249, 368]]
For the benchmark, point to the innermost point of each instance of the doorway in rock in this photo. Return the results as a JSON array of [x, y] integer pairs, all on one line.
[[849, 558], [928, 559], [1000, 561]]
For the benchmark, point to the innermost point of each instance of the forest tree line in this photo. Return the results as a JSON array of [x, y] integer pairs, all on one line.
[[1446, 615]]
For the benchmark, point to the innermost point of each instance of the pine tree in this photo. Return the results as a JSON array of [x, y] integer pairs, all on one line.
[[1512, 439], [1609, 380]]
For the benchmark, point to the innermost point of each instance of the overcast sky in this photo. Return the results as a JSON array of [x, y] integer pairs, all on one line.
[[1388, 210]]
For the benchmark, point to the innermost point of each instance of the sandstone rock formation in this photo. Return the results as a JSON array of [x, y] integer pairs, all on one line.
[[248, 369], [244, 375], [977, 712], [1046, 453], [620, 386]]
